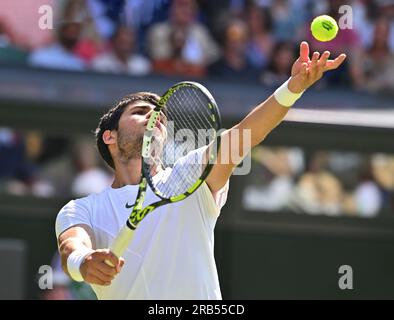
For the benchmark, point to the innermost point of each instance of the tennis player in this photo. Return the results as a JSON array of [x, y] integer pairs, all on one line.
[[172, 254]]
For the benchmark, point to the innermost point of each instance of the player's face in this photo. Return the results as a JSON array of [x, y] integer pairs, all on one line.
[[132, 125]]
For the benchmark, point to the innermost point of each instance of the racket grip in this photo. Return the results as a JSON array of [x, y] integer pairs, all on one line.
[[121, 243]]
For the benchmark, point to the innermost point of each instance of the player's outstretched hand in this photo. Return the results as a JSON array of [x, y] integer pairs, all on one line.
[[305, 72], [94, 270]]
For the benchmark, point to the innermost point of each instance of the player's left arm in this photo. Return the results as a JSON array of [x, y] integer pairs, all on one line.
[[267, 115]]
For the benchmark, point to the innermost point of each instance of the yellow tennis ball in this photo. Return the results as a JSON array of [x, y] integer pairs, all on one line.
[[324, 28]]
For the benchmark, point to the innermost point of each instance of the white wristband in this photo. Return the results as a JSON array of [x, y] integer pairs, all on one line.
[[74, 262], [285, 97]]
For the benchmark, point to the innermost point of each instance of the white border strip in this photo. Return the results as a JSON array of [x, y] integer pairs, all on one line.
[[364, 118]]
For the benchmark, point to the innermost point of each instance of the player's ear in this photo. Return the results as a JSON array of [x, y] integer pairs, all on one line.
[[109, 136]]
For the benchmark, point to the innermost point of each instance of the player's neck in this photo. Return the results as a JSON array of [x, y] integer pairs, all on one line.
[[127, 173]]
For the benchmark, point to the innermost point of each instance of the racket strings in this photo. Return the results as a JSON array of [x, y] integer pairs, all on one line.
[[193, 103], [191, 116], [190, 101], [201, 118], [184, 155]]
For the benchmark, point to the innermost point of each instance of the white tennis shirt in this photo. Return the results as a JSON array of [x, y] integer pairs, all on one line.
[[172, 253]]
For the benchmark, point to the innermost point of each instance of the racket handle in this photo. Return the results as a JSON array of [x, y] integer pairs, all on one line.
[[121, 243]]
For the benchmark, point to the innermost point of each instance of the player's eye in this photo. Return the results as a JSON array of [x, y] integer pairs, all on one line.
[[139, 112]]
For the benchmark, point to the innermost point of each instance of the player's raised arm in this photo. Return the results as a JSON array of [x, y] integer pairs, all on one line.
[[81, 262], [268, 114]]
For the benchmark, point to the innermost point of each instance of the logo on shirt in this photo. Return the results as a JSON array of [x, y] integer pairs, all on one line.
[[128, 206]]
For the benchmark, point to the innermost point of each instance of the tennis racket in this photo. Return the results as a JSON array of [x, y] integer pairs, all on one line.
[[194, 120]]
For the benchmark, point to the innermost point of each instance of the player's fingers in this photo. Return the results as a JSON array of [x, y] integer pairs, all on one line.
[[100, 253], [95, 280], [313, 67], [94, 274], [304, 70], [323, 59], [333, 64], [120, 265], [315, 58], [101, 275], [110, 271], [322, 63], [105, 255], [112, 258], [304, 51], [109, 263], [339, 60]]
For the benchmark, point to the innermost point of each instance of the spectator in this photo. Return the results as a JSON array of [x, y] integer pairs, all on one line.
[[90, 43], [367, 196], [107, 14], [214, 14], [234, 65], [379, 60], [368, 199], [287, 26], [121, 58], [89, 178], [19, 173], [15, 168], [318, 193], [280, 64], [383, 174], [60, 54], [364, 15], [261, 42], [386, 7], [199, 47], [175, 65], [273, 171]]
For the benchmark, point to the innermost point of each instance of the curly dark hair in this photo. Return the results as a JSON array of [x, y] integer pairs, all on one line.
[[110, 120]]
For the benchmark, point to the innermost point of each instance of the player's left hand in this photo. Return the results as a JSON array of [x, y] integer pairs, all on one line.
[[305, 72]]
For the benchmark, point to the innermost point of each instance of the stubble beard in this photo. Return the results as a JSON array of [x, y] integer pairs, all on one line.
[[129, 147]]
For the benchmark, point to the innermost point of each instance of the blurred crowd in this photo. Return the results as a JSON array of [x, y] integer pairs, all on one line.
[[289, 179], [235, 40], [321, 182], [43, 166]]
